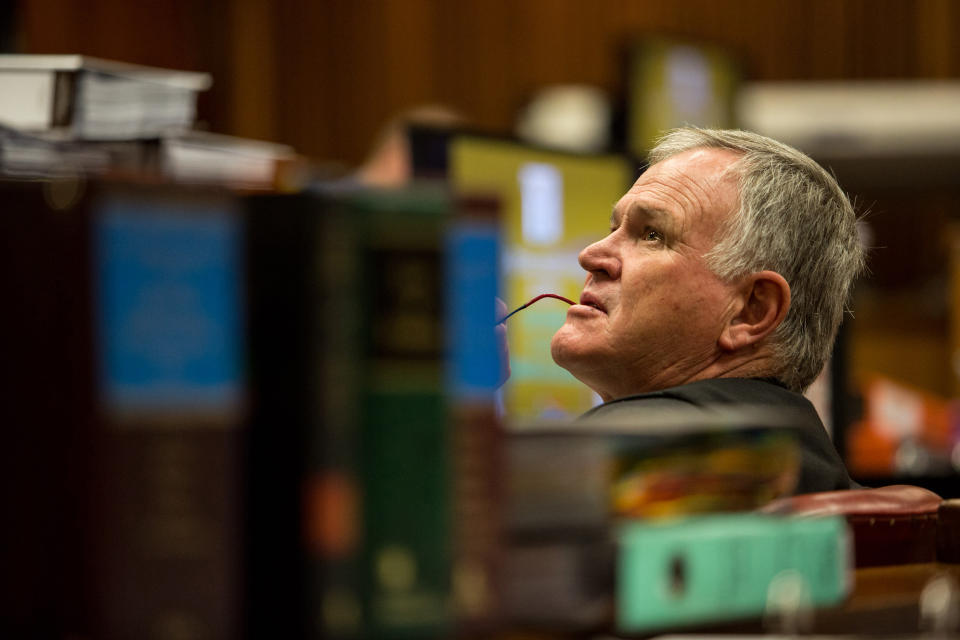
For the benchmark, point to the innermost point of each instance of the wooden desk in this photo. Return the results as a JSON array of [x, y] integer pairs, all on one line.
[[885, 600]]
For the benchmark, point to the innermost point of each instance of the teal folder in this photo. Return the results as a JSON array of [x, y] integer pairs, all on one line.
[[720, 567]]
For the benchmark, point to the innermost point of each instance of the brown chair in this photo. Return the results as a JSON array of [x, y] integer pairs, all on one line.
[[897, 524]]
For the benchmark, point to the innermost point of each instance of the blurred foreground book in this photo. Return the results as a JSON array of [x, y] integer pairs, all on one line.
[[372, 437], [248, 416], [579, 497], [124, 368]]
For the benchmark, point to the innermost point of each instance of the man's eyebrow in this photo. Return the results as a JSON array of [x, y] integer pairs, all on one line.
[[658, 216]]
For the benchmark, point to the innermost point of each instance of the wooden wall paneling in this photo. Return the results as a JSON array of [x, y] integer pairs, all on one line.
[[880, 41], [253, 89], [324, 76], [409, 42], [568, 43], [153, 33], [179, 34], [313, 50], [484, 60], [334, 61], [938, 25], [817, 36], [303, 76], [362, 99], [50, 26], [212, 37]]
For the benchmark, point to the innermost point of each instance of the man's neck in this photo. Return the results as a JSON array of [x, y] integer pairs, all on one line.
[[757, 364]]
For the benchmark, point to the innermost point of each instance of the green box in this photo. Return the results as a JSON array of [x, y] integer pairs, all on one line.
[[719, 568]]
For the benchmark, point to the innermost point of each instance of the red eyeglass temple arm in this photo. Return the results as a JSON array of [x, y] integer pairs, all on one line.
[[539, 297]]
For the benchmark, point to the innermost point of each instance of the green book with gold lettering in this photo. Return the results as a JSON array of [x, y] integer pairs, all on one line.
[[402, 453], [350, 385]]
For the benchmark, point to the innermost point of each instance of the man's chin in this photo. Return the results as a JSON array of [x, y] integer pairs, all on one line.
[[567, 347], [572, 355]]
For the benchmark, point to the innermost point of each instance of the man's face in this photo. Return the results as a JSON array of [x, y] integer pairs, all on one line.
[[651, 311]]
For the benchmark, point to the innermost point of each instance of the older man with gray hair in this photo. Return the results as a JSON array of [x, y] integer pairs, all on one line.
[[723, 280]]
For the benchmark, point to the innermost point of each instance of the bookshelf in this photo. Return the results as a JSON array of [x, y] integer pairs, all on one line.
[[231, 414]]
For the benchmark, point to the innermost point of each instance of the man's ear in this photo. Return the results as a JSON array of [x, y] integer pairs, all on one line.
[[765, 300]]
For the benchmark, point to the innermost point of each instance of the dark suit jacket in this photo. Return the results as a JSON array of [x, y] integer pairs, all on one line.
[[821, 468]]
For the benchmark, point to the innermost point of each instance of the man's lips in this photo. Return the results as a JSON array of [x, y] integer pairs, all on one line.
[[589, 300]]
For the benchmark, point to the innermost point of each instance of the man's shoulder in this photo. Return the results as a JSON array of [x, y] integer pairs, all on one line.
[[821, 469], [709, 393], [736, 390]]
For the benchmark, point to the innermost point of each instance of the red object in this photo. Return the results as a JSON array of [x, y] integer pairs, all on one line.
[[539, 297], [897, 524]]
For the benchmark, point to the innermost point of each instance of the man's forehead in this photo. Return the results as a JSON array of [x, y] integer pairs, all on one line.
[[715, 157], [702, 164], [701, 178]]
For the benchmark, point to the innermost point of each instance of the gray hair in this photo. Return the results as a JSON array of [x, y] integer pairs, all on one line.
[[793, 218]]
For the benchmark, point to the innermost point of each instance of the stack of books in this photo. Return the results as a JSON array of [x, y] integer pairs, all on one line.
[[69, 114]]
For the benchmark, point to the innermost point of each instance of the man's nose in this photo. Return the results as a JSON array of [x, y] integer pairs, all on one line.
[[600, 258]]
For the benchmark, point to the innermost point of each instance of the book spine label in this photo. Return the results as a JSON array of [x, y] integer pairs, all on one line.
[[167, 502]]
